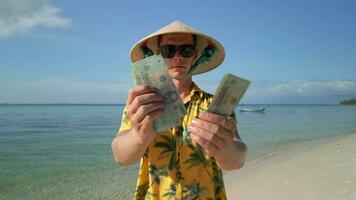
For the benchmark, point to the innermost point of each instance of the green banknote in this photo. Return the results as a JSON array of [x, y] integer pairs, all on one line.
[[229, 93], [152, 71]]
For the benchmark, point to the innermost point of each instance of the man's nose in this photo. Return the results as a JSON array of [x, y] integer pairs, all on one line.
[[177, 56]]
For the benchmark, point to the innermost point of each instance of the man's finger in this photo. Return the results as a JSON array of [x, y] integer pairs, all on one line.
[[152, 116], [143, 110], [143, 99], [139, 90], [210, 127], [205, 144], [227, 123], [217, 140]]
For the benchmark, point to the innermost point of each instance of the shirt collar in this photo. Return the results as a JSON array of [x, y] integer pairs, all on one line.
[[194, 91]]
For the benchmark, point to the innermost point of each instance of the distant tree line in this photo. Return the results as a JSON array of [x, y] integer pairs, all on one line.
[[348, 102]]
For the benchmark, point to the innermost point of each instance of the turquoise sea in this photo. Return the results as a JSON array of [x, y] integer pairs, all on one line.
[[64, 151]]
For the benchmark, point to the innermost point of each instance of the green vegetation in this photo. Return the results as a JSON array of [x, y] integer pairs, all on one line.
[[348, 102]]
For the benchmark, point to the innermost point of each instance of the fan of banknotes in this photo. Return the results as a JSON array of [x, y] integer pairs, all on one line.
[[152, 71]]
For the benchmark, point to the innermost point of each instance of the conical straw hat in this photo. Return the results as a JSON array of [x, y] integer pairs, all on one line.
[[210, 52]]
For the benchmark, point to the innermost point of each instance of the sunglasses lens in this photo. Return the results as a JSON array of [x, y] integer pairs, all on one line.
[[187, 50], [168, 51]]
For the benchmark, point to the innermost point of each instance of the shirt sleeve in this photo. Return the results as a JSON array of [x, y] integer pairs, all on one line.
[[126, 123]]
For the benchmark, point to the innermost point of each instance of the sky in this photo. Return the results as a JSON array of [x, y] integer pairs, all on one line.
[[63, 51]]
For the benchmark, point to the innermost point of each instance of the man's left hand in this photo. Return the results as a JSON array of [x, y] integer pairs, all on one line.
[[214, 133]]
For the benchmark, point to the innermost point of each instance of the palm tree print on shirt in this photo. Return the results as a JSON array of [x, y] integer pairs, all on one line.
[[193, 191], [197, 159], [171, 192], [157, 173], [141, 191], [168, 147]]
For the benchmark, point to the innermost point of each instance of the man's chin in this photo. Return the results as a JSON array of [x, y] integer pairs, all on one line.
[[179, 76]]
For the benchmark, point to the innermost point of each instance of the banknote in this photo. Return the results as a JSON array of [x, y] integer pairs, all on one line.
[[152, 71], [229, 93]]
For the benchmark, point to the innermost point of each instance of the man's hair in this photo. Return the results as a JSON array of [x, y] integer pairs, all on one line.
[[159, 39]]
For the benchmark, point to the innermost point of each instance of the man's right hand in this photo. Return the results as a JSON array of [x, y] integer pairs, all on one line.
[[143, 106]]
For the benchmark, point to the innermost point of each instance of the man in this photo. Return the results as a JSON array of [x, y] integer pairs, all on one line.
[[171, 167]]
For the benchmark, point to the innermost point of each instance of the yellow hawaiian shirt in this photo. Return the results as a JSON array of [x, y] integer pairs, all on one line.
[[177, 168]]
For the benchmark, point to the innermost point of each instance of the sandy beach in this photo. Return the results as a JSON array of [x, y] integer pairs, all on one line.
[[324, 171]]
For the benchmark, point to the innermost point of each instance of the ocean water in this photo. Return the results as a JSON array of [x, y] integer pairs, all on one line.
[[64, 151], [282, 127]]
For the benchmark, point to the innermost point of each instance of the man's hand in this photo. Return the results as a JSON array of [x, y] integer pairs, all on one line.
[[143, 106], [214, 133], [218, 136]]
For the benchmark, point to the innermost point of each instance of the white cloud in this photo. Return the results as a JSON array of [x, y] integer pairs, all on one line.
[[19, 17], [326, 87], [271, 90], [320, 87]]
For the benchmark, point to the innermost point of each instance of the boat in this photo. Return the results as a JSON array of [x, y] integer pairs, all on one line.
[[261, 109]]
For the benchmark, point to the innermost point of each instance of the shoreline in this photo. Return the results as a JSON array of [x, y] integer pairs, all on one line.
[[288, 150], [303, 172]]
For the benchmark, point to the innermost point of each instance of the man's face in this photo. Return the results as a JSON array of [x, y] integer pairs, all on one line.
[[178, 65]]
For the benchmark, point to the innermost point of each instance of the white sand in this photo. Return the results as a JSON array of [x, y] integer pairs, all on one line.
[[325, 171]]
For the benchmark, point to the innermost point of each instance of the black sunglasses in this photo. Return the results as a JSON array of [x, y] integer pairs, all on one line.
[[169, 51]]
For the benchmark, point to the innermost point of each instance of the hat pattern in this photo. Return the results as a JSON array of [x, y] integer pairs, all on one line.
[[147, 52], [207, 53]]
